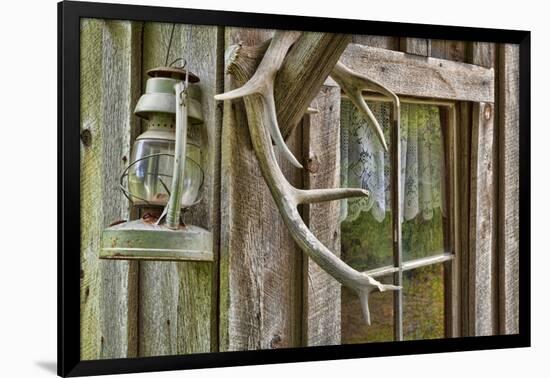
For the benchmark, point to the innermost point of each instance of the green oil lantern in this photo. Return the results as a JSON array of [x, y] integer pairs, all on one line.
[[165, 175]]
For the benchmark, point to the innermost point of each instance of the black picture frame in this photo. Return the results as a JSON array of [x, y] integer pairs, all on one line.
[[69, 15]]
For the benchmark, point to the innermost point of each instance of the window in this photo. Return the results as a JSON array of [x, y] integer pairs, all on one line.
[[422, 263]]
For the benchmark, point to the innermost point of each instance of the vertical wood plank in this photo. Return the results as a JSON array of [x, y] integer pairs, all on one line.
[[481, 53], [121, 90], [390, 43], [452, 269], [322, 300], [482, 222], [483, 233], [448, 49], [259, 262], [508, 103], [91, 42], [110, 63], [462, 208], [415, 46], [178, 300]]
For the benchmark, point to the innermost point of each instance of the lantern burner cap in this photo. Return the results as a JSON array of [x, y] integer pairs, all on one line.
[[173, 73]]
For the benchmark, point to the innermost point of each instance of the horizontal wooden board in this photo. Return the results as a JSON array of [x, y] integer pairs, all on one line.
[[419, 76]]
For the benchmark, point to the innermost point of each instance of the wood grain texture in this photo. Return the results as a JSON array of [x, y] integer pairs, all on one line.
[[481, 53], [177, 300], [305, 69], [461, 207], [452, 222], [91, 222], [448, 49], [259, 262], [322, 300], [110, 54], [426, 77], [383, 42], [121, 90], [483, 297], [483, 222], [509, 187], [415, 46]]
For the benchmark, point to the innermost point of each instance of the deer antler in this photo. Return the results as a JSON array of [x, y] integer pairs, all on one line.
[[261, 123], [353, 84], [262, 83]]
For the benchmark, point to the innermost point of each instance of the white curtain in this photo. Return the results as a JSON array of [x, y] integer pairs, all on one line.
[[365, 164]]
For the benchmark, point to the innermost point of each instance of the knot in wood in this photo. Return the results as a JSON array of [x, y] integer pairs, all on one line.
[[487, 112], [275, 341], [86, 137], [312, 164]]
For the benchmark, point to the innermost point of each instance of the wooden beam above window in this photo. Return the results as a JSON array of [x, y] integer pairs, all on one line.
[[419, 76]]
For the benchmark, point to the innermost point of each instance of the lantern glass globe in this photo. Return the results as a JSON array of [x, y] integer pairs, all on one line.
[[150, 177]]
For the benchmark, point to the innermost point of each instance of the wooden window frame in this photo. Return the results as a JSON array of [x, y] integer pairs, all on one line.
[[454, 86]]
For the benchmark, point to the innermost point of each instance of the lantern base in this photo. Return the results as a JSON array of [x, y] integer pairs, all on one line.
[[144, 240]]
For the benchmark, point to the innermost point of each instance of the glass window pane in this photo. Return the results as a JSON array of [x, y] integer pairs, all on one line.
[[366, 222], [354, 328], [366, 242], [424, 303], [422, 179]]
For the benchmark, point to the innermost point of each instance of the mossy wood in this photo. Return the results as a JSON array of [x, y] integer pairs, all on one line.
[[110, 67]]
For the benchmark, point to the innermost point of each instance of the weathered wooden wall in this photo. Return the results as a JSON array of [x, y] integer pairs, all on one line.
[[261, 292], [321, 140], [260, 266], [110, 85], [177, 301], [508, 227], [141, 309]]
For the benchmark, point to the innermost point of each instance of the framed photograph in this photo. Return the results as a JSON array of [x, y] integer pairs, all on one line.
[[241, 188]]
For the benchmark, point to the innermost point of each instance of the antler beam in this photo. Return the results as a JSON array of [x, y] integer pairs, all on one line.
[[304, 70], [353, 85], [261, 122]]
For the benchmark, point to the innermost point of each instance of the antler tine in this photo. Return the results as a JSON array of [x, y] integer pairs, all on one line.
[[352, 83], [287, 198], [262, 83], [323, 195]]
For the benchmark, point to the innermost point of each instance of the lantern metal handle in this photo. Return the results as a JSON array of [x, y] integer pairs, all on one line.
[[173, 209]]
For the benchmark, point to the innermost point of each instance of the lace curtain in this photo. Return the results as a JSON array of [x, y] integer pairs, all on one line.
[[365, 164]]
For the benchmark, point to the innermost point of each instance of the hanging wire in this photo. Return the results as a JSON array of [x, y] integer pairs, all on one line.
[[169, 45], [189, 47], [173, 64], [185, 64]]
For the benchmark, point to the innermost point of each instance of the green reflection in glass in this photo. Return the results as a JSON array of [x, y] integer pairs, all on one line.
[[424, 303], [354, 328]]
